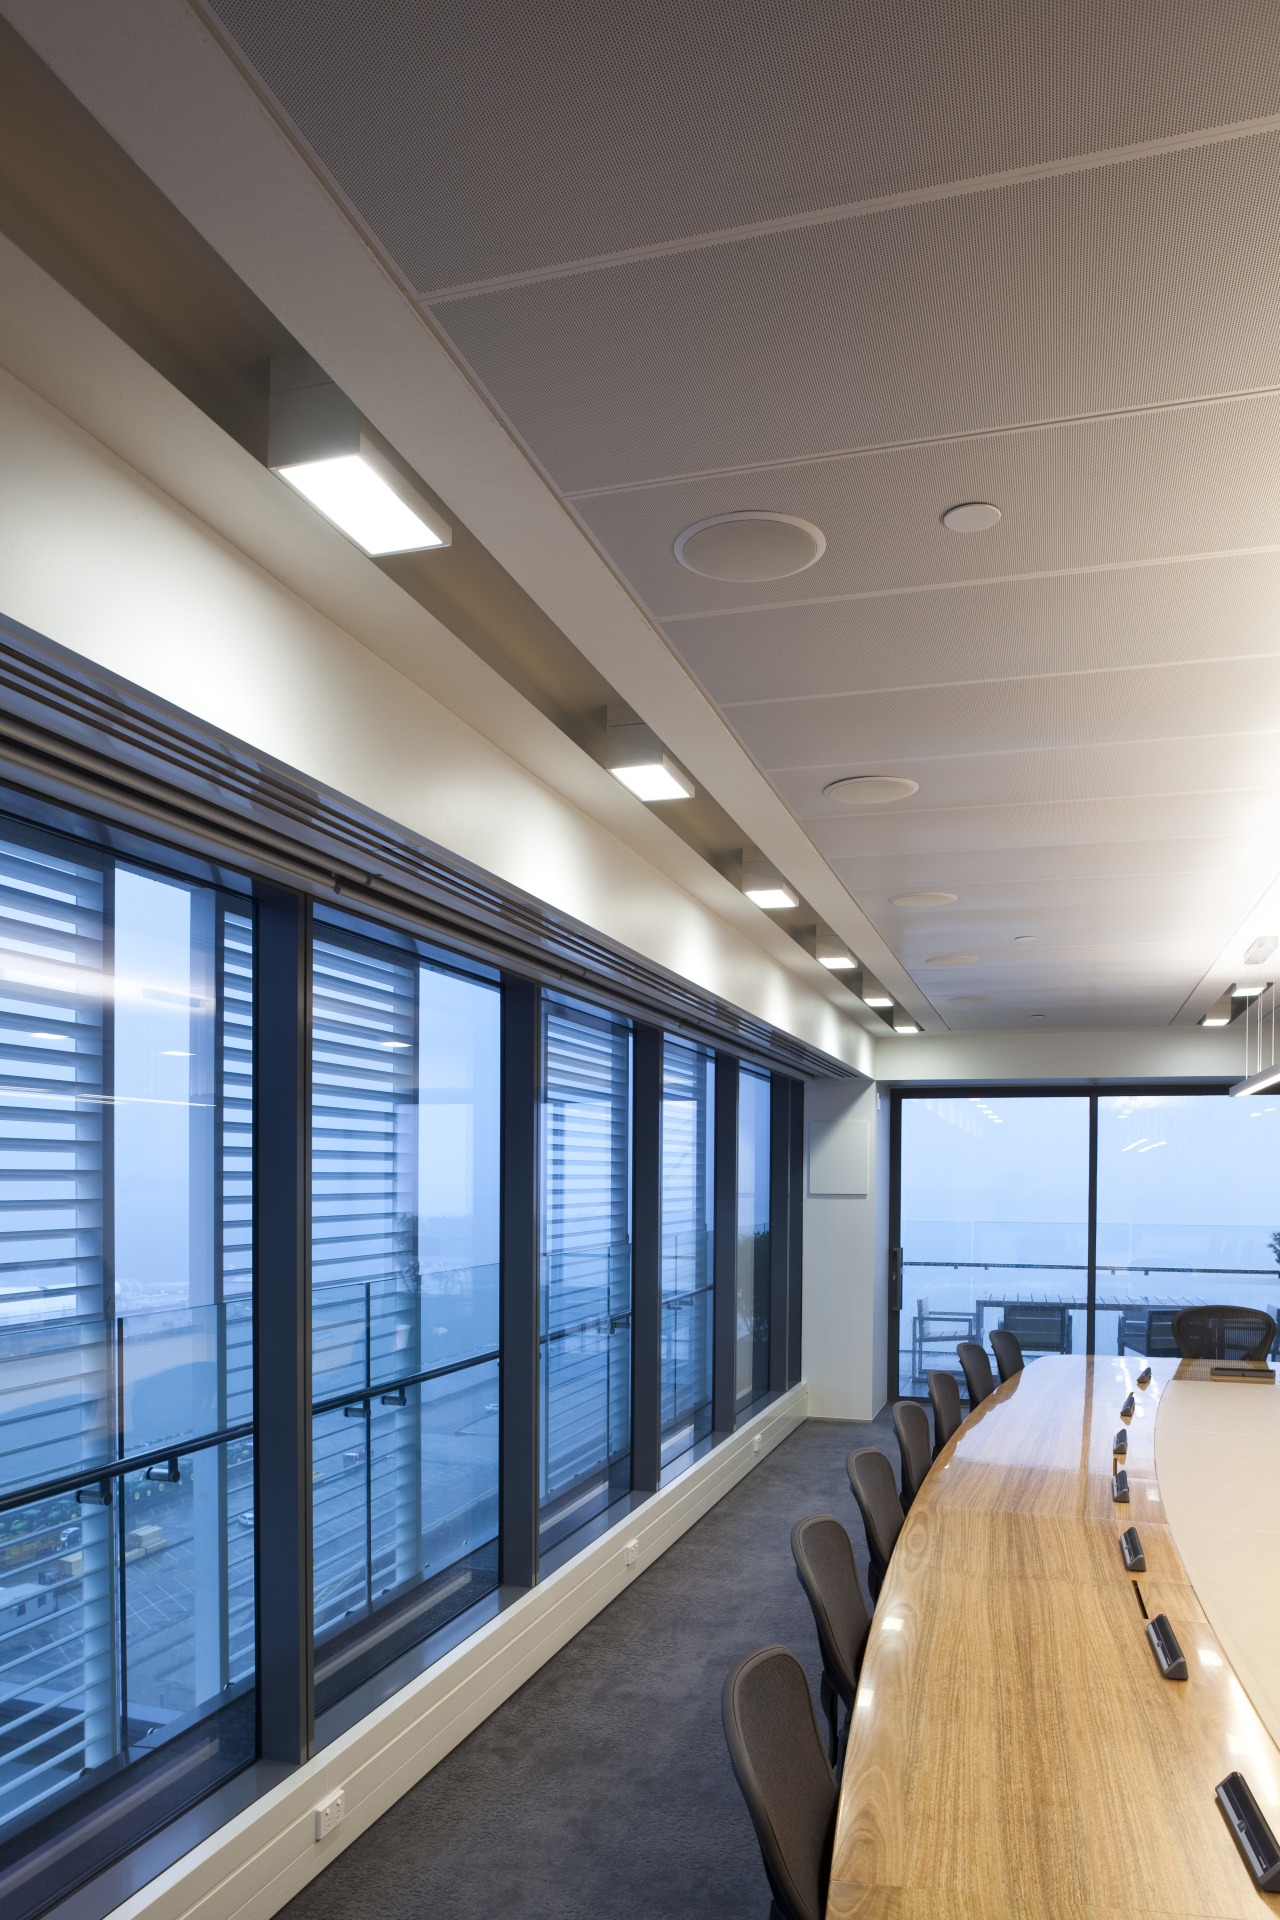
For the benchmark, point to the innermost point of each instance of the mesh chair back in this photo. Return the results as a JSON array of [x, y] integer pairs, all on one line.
[[911, 1424], [790, 1790], [1007, 1349], [823, 1555], [945, 1397], [876, 1492], [1223, 1333], [977, 1371]]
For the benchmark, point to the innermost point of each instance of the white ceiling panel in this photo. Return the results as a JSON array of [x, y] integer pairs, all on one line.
[[1225, 763], [1180, 816], [902, 731], [1121, 287], [1098, 493], [500, 138], [1205, 610]]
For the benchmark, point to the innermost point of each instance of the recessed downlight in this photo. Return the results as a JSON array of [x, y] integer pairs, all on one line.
[[750, 546], [870, 789], [923, 900], [952, 960], [971, 516]]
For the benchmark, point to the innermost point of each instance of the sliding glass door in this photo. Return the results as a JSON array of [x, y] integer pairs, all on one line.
[[1188, 1211], [994, 1227]]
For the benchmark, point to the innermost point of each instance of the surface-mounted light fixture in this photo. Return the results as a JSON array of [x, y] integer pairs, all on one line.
[[634, 754], [1261, 949], [764, 885], [318, 441], [830, 954]]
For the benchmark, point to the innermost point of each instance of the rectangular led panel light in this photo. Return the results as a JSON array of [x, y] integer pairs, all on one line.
[[837, 962], [655, 780], [350, 491], [771, 898]]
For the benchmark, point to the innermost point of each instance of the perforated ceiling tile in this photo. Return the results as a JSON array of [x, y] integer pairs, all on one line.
[[1206, 817], [495, 138], [905, 730], [1132, 487], [1205, 610], [1121, 287], [1241, 763]]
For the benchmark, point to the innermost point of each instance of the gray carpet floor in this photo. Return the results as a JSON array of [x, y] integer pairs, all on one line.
[[603, 1787]]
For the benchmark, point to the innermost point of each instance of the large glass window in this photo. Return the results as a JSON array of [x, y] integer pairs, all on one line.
[[1188, 1211], [585, 1292], [127, 1641], [753, 1264], [405, 1218], [994, 1226], [688, 1159]]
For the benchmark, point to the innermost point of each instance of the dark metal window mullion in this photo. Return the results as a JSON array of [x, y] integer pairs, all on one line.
[[646, 1261], [725, 1262], [282, 1325], [1091, 1287], [519, 1291], [780, 1200]]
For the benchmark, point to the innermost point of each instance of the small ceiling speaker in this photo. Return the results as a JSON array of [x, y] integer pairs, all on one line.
[[952, 960], [968, 999], [870, 789], [922, 900], [971, 516], [747, 547]]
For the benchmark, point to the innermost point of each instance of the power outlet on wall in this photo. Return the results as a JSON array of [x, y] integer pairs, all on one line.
[[757, 1443], [329, 1814], [632, 1553]]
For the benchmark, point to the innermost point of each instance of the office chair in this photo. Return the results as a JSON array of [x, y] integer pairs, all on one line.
[[824, 1566], [1008, 1352], [776, 1752], [911, 1424], [945, 1397], [876, 1492], [977, 1372], [1223, 1333]]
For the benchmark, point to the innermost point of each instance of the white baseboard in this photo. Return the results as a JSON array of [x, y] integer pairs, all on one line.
[[251, 1867]]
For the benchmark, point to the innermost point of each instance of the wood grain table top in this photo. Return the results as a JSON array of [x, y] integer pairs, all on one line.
[[1014, 1748]]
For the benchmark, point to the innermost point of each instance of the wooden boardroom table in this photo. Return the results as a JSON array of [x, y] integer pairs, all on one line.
[[1014, 1749]]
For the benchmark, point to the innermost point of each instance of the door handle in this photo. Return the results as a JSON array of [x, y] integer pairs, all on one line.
[[895, 1279]]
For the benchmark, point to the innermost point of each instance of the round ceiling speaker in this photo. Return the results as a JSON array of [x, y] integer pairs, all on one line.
[[870, 789], [923, 900], [952, 960], [971, 516], [750, 546], [967, 999]]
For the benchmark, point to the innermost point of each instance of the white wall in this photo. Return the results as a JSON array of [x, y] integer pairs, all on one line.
[[1147, 1053], [846, 1241]]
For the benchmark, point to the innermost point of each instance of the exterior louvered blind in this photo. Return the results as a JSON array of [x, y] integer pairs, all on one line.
[[688, 1078], [125, 1320], [585, 1301], [405, 1109]]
